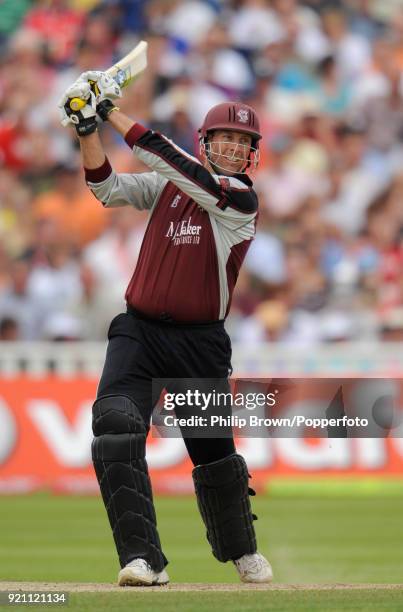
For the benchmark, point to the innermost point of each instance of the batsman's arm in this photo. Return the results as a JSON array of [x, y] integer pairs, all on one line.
[[92, 151], [120, 122], [138, 190]]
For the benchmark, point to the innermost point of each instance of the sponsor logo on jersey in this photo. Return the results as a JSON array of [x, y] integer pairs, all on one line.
[[183, 232], [175, 201], [243, 115]]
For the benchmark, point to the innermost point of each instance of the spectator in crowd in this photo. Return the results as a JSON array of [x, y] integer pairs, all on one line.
[[70, 206], [8, 330], [17, 303]]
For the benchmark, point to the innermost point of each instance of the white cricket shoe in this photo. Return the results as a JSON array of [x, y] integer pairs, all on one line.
[[139, 573], [254, 568]]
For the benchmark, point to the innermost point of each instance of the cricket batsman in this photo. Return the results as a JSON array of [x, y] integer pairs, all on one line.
[[202, 219]]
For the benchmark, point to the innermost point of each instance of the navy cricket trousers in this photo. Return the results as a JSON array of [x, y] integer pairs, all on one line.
[[142, 349]]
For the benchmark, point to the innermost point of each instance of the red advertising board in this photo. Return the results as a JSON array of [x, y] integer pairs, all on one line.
[[45, 437]]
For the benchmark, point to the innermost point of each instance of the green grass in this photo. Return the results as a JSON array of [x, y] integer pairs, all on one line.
[[308, 540], [308, 601], [245, 602], [316, 601]]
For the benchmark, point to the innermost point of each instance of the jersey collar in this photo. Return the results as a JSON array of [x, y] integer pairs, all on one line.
[[244, 178]]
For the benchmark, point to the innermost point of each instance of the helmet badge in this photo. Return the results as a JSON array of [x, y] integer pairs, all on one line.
[[243, 115]]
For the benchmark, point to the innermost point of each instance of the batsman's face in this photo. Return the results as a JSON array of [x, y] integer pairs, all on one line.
[[229, 150]]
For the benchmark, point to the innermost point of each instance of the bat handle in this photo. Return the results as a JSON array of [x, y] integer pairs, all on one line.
[[76, 104]]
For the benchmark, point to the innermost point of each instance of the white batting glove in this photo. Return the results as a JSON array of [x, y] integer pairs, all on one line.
[[84, 120], [105, 87]]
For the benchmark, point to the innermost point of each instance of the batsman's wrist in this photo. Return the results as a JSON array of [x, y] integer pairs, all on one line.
[[86, 126], [104, 109]]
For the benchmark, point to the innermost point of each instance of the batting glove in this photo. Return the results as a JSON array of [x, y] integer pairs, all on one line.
[[103, 85], [105, 88], [84, 120]]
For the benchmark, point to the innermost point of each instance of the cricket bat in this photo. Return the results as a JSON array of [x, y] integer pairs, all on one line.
[[123, 72]]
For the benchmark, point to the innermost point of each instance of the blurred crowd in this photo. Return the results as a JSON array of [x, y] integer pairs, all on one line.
[[326, 78]]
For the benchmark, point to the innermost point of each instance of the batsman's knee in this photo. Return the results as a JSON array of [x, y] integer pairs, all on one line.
[[119, 429]]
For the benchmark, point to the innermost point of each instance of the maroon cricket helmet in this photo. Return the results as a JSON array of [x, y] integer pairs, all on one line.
[[232, 116]]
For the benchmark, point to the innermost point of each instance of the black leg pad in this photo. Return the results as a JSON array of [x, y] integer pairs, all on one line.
[[118, 453], [223, 500]]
